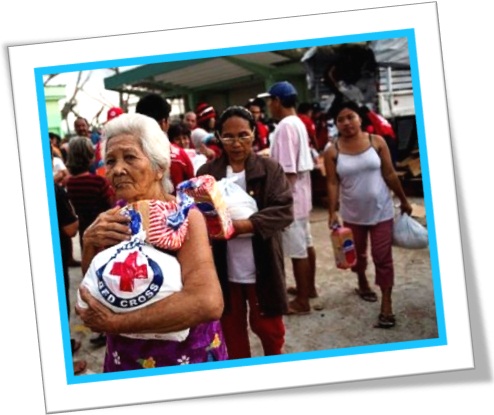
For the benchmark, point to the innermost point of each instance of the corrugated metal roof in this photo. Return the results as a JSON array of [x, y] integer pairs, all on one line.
[[209, 72], [200, 73]]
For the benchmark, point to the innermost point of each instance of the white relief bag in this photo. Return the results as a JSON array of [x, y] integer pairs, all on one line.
[[409, 234]]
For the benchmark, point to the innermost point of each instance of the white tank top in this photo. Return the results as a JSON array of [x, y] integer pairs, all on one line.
[[364, 196]]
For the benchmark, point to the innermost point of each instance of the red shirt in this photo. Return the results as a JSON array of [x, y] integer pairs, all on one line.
[[181, 167], [261, 141], [309, 126]]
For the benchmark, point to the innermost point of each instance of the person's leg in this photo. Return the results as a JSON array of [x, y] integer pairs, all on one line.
[[270, 330], [360, 236], [311, 253], [381, 236], [301, 273], [234, 324], [72, 262], [295, 246]]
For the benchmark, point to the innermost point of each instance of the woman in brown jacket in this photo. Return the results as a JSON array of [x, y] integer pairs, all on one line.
[[250, 265]]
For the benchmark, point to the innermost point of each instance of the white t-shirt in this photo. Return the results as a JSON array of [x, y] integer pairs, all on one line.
[[290, 148], [240, 253], [58, 165]]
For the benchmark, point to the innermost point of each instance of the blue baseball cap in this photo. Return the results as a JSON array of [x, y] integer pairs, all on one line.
[[283, 89]]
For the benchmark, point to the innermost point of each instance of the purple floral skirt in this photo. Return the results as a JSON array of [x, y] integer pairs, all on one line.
[[205, 343]]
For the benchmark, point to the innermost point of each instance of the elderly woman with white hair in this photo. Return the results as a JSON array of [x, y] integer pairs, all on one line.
[[136, 153]]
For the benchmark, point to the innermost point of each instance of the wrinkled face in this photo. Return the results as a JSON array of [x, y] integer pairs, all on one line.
[[237, 138], [190, 120], [130, 171], [81, 127], [348, 122]]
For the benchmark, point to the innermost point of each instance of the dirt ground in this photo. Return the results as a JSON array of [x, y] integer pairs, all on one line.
[[344, 320]]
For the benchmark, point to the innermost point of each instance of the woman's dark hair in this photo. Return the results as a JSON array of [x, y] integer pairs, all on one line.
[[81, 155], [176, 130], [54, 136], [339, 105], [235, 111]]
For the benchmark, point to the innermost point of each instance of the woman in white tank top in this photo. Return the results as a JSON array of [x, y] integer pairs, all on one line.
[[360, 175]]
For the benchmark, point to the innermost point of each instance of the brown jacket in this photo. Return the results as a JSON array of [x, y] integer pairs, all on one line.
[[267, 184]]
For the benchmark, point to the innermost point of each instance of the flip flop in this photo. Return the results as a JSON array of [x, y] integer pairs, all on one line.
[[294, 309], [385, 321], [370, 296]]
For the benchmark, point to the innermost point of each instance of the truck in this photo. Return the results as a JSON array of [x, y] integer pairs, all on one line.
[[376, 74]]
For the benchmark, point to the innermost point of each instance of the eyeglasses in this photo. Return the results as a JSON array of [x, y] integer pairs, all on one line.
[[243, 138]]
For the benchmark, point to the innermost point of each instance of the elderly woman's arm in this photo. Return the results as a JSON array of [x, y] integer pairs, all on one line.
[[277, 213], [199, 301]]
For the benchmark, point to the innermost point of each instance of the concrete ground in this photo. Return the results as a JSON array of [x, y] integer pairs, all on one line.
[[345, 320]]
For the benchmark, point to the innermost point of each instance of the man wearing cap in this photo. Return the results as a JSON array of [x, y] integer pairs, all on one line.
[[157, 107], [290, 147]]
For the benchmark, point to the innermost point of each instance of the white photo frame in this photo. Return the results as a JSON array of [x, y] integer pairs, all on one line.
[[451, 350]]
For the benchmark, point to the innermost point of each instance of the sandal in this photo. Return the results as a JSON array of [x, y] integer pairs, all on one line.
[[370, 296], [385, 321], [295, 309]]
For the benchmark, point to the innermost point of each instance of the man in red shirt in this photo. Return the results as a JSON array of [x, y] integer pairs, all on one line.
[[261, 140], [304, 112], [155, 106]]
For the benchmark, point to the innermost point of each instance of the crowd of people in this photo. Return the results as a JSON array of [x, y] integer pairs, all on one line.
[[237, 283]]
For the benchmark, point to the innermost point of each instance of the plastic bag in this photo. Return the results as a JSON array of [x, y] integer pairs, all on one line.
[[239, 203], [409, 234], [132, 275], [208, 198]]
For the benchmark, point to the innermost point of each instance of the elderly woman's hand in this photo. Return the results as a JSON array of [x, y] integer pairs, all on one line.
[[109, 228], [96, 316]]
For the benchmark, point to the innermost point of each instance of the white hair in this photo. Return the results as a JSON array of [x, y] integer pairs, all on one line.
[[147, 132]]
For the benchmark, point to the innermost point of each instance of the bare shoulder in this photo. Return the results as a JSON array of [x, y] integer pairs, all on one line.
[[378, 140], [329, 153]]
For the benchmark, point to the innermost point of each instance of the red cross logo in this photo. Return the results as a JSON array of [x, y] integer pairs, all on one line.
[[128, 271]]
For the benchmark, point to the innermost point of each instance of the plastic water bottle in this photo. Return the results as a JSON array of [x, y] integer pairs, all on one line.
[[343, 247]]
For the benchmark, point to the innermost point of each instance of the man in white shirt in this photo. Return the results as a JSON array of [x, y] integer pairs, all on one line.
[[290, 147]]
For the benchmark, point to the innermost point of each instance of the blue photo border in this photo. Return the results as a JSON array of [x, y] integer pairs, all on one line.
[[441, 340]]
